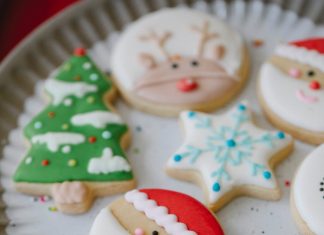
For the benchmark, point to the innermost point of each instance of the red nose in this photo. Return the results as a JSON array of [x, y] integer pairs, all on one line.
[[314, 85], [186, 85]]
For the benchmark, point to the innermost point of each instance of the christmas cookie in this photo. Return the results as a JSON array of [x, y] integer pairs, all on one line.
[[76, 143], [156, 212], [307, 195], [291, 89], [229, 156], [177, 59]]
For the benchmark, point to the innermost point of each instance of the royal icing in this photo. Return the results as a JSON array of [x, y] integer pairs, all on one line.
[[106, 223], [228, 150], [74, 128], [54, 140], [107, 163], [308, 190], [292, 99], [178, 56], [98, 119], [157, 213]]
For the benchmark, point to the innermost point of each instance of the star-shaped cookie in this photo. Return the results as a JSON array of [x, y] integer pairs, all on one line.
[[229, 156]]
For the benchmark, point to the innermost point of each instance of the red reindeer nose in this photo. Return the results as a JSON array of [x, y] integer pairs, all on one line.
[[186, 85], [314, 85]]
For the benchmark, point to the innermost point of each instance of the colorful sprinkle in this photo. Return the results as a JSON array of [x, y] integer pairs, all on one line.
[[281, 135], [79, 51], [258, 42], [28, 160], [106, 134], [267, 175], [94, 77], [287, 183], [241, 107], [191, 114], [92, 139], [138, 128], [65, 126], [77, 78], [86, 65], [52, 209], [230, 143], [72, 162], [216, 187], [38, 125], [68, 102], [90, 99], [45, 162], [177, 158], [66, 149], [51, 114]]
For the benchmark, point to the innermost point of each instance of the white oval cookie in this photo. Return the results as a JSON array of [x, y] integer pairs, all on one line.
[[177, 59], [307, 198]]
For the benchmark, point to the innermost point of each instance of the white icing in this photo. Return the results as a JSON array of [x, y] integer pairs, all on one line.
[[125, 61], [107, 224], [302, 55], [106, 134], [61, 89], [279, 92], [98, 119], [308, 198], [157, 213], [54, 140], [28, 160], [68, 102], [214, 148], [107, 163], [86, 66]]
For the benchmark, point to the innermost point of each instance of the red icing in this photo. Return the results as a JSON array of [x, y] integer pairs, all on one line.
[[188, 210], [186, 85], [92, 139], [316, 44], [315, 85], [79, 51], [45, 162]]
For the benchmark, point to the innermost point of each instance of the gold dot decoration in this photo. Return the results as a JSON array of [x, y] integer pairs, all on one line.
[[72, 163], [65, 126], [90, 99]]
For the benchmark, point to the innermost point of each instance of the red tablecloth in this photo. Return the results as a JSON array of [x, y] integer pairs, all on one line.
[[19, 17]]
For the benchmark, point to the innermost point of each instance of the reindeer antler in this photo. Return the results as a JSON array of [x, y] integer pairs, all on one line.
[[160, 40], [205, 36]]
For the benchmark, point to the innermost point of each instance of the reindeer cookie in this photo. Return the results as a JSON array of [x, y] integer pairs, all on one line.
[[291, 89], [155, 212], [76, 142], [177, 59]]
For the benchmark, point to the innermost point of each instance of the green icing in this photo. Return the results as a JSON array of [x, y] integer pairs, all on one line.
[[56, 118]]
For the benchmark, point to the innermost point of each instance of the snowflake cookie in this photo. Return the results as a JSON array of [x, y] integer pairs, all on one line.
[[229, 156]]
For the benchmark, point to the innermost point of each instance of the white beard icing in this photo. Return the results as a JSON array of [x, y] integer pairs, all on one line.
[[279, 92], [106, 223]]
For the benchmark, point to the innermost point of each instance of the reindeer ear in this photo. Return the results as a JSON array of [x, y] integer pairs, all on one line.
[[219, 52], [147, 60]]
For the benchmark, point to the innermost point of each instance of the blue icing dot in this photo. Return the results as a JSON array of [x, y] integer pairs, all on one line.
[[241, 107], [191, 114], [281, 135], [267, 175], [230, 143], [216, 187], [177, 158]]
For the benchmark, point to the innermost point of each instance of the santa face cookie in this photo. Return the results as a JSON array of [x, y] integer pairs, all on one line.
[[307, 195], [156, 212], [177, 59], [76, 142], [229, 156], [291, 89]]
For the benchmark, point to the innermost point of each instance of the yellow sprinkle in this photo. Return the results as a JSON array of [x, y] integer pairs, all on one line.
[[90, 99], [52, 208], [65, 126], [72, 162]]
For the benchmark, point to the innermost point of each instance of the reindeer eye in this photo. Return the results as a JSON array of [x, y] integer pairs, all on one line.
[[155, 232], [195, 63], [311, 73], [175, 65]]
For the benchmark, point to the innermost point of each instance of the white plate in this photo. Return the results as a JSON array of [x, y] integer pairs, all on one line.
[[158, 137]]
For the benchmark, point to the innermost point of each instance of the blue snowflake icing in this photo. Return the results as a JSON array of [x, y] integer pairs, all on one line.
[[229, 145]]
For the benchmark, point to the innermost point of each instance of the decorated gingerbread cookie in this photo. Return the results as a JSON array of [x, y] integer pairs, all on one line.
[[291, 89], [76, 143], [177, 59], [307, 195], [229, 156], [156, 212]]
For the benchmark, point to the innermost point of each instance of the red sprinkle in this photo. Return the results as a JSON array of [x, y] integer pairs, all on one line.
[[79, 51], [315, 85], [51, 114], [287, 183], [92, 139], [45, 162]]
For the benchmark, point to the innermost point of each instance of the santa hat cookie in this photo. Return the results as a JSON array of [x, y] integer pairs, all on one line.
[[291, 89], [156, 212], [176, 59]]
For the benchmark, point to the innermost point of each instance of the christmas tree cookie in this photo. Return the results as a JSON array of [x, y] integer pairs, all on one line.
[[77, 142], [229, 156]]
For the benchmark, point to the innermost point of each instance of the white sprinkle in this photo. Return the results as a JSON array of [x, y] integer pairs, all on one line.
[[28, 160], [67, 102], [86, 65], [106, 134], [38, 125], [66, 149], [94, 77]]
